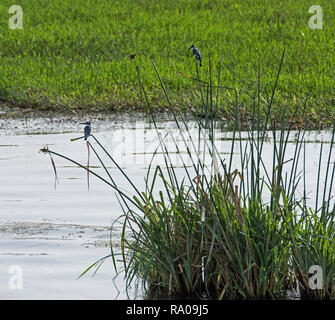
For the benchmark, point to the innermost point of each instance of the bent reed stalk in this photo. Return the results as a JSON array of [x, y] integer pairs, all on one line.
[[232, 228]]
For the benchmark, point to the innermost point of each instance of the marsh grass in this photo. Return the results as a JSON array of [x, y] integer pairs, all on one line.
[[234, 227], [74, 56]]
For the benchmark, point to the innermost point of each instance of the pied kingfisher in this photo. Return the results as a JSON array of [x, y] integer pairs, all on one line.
[[196, 53], [87, 129]]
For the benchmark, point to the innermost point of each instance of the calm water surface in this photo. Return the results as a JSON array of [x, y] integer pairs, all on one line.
[[53, 230]]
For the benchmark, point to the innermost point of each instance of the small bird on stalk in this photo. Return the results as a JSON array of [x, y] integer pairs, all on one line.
[[87, 129], [196, 53]]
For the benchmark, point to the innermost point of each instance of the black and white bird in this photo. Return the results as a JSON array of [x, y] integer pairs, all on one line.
[[87, 129], [196, 53]]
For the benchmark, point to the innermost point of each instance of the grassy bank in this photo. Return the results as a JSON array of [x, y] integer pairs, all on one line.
[[75, 54]]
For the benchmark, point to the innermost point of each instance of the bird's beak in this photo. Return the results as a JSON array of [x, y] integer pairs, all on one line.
[[189, 48]]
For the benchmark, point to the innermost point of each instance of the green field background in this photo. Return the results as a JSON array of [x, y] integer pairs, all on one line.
[[74, 54]]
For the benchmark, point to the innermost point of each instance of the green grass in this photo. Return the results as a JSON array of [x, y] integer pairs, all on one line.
[[74, 54]]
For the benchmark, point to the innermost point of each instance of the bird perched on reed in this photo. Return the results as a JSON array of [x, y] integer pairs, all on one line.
[[196, 53], [87, 129]]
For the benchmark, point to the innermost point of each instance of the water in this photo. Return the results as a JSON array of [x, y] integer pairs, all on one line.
[[53, 230]]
